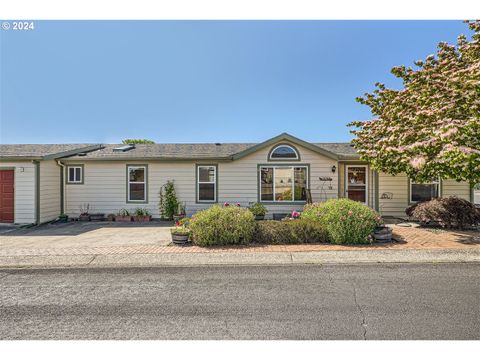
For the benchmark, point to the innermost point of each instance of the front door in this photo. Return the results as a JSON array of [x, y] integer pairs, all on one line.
[[356, 183], [6, 196]]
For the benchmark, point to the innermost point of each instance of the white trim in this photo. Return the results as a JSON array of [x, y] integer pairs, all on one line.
[[366, 181], [74, 174], [274, 167], [144, 182], [438, 183], [283, 158], [214, 182]]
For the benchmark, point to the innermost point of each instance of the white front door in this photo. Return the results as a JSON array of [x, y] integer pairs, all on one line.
[[356, 183]]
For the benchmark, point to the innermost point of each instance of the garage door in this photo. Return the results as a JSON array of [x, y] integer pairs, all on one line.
[[6, 196]]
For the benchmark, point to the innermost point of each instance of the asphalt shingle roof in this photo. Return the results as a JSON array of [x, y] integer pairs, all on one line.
[[153, 151]]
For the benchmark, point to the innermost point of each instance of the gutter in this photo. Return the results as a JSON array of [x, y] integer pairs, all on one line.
[[62, 187]]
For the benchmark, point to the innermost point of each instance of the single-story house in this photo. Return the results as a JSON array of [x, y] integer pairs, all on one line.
[[39, 182]]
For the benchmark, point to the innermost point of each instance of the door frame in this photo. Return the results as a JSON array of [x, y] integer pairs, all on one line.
[[366, 181], [11, 168]]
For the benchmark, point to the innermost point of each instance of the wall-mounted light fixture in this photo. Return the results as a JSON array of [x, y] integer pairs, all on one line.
[[22, 169], [334, 168]]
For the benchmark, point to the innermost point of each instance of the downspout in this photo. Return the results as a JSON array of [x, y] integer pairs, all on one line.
[[62, 187], [37, 191]]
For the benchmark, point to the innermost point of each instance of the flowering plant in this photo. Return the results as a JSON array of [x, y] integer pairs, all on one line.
[[431, 127], [295, 214]]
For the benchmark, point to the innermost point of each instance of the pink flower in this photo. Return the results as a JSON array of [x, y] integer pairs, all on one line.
[[226, 204], [238, 204], [418, 162], [295, 214], [350, 212]]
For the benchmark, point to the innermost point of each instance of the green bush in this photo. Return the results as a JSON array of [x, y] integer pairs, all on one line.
[[222, 226], [289, 232], [168, 204], [258, 209], [345, 221]]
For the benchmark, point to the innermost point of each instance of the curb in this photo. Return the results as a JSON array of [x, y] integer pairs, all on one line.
[[239, 259]]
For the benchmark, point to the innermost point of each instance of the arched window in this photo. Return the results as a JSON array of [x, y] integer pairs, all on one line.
[[284, 152]]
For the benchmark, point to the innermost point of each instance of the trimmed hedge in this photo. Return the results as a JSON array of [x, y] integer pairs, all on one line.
[[289, 232], [222, 226], [345, 221]]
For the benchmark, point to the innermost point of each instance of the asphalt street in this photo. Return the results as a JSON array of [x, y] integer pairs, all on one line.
[[367, 301]]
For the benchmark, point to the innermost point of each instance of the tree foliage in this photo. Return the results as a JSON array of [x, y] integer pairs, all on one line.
[[431, 127], [168, 204], [137, 141]]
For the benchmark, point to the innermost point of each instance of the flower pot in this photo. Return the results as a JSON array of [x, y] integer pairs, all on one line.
[[142, 218], [111, 217], [121, 218], [280, 216], [259, 217], [84, 218], [97, 217], [180, 239], [178, 217], [382, 234]]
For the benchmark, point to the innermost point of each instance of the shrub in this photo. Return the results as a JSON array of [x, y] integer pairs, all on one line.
[[450, 212], [289, 232], [168, 201], [345, 221], [222, 226], [141, 212], [258, 209]]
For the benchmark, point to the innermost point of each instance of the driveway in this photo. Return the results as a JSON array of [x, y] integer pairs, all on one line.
[[87, 234]]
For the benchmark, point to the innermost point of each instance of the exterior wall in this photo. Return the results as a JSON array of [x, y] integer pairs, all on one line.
[[105, 184], [399, 185], [50, 191], [24, 182]]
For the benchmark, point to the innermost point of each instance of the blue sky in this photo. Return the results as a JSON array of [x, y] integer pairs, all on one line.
[[200, 81]]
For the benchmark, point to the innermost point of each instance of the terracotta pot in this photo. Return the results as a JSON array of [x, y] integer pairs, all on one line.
[[142, 218], [180, 239], [120, 218], [97, 217], [84, 218]]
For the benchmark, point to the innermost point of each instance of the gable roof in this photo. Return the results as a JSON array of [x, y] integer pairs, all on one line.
[[226, 151], [43, 151]]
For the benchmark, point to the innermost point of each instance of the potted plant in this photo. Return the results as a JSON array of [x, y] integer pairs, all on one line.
[[180, 235], [123, 216], [382, 233], [259, 210], [180, 213], [84, 215], [111, 217], [142, 215], [63, 218]]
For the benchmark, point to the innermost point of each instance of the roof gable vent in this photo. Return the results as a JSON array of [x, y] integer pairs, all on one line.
[[124, 148]]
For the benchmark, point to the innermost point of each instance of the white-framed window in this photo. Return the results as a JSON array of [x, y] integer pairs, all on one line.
[[424, 191], [206, 183], [136, 183], [284, 152], [75, 174], [283, 183]]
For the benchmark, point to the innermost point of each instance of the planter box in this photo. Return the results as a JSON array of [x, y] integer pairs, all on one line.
[[97, 217], [123, 218], [84, 218], [144, 218], [180, 239]]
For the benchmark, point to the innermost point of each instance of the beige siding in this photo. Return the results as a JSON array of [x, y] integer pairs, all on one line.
[[49, 191], [398, 186], [452, 187], [104, 185], [393, 194], [24, 206]]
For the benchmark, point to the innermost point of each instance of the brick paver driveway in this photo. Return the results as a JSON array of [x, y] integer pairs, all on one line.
[[152, 238]]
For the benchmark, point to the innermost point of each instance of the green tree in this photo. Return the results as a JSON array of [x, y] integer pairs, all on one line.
[[431, 127], [168, 201], [137, 141]]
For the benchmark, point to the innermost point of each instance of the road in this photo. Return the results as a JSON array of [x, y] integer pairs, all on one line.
[[369, 301]]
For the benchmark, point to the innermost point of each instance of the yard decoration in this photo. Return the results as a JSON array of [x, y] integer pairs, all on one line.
[[431, 127]]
